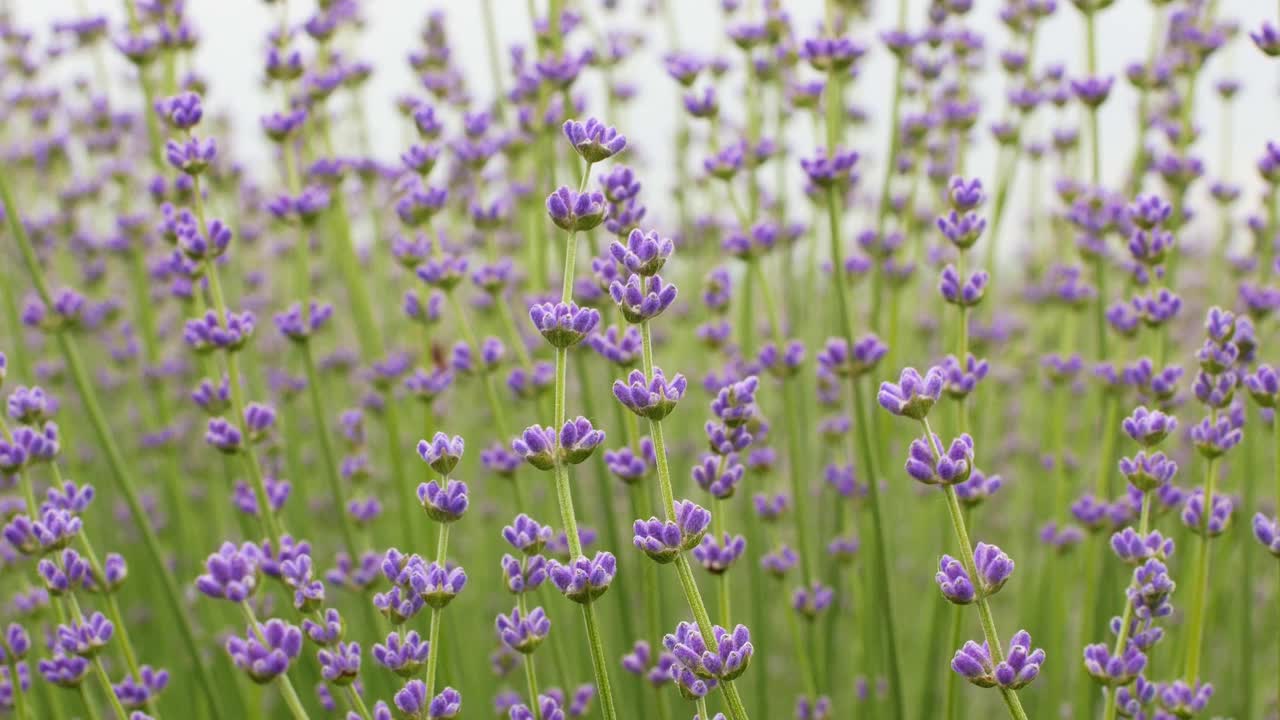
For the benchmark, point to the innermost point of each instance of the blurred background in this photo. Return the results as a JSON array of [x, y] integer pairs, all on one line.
[[232, 42]]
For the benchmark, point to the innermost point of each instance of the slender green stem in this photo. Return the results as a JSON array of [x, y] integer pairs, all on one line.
[[1200, 590], [802, 653], [357, 702], [531, 680], [321, 414], [293, 701], [89, 707], [433, 659], [105, 680], [19, 697], [599, 661]]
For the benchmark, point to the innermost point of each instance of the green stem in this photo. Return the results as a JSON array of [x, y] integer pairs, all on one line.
[[1200, 590], [599, 661], [292, 700], [433, 659], [321, 414]]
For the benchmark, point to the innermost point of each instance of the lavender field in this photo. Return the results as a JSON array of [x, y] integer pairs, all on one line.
[[639, 359]]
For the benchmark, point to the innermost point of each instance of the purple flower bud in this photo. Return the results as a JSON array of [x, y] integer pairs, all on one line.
[[1112, 670], [913, 396], [653, 399], [563, 324], [523, 633], [583, 580], [575, 212], [594, 140]]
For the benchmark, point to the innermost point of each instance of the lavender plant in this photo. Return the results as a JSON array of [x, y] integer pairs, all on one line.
[[725, 231]]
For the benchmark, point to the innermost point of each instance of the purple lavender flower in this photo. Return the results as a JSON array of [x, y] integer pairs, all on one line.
[[866, 355], [717, 557], [1264, 386], [523, 633], [933, 466], [663, 541], [66, 671], [1114, 670], [523, 574], [1223, 507], [653, 399], [1134, 549], [526, 534], [583, 580], [403, 656], [231, 573], [620, 347], [340, 665], [813, 600], [191, 156], [574, 211], [295, 327], [1184, 700], [1213, 438], [730, 659], [962, 292], [913, 396], [267, 651], [135, 695], [717, 476], [831, 170], [643, 253], [442, 453], [1148, 427], [1267, 531], [443, 503], [1021, 665], [594, 140], [563, 324], [642, 299], [954, 582], [542, 448]]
